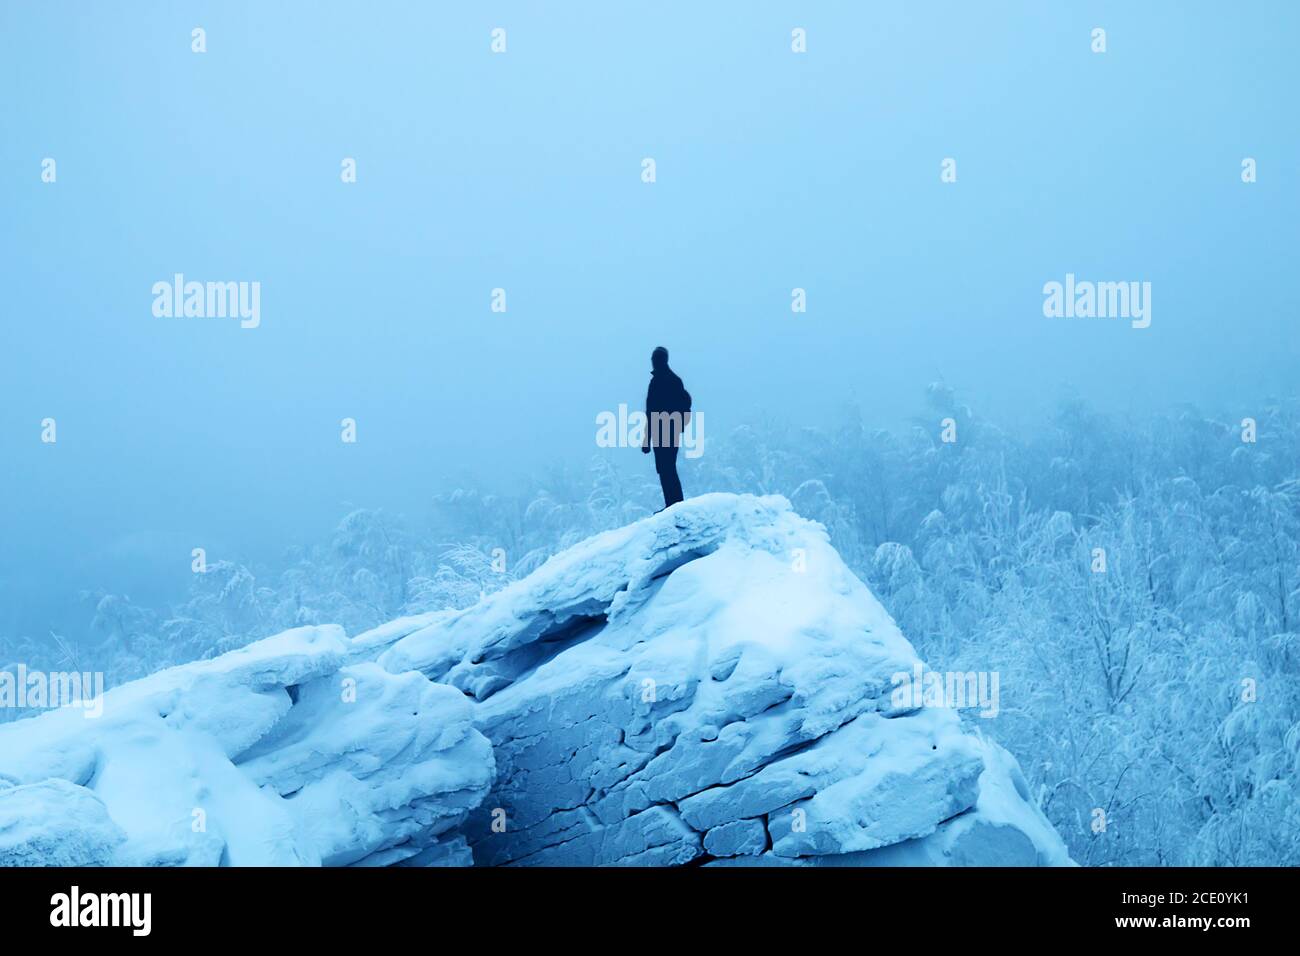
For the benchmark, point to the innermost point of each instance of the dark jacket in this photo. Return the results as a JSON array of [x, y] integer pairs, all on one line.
[[666, 395]]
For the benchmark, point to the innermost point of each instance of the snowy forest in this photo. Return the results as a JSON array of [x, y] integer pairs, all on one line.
[[1134, 581]]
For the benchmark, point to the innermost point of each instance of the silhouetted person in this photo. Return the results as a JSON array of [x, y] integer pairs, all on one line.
[[667, 410]]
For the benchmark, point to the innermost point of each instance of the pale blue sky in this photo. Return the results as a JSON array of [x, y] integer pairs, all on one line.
[[522, 170]]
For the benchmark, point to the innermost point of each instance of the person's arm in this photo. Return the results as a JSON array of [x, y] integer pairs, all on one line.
[[645, 442]]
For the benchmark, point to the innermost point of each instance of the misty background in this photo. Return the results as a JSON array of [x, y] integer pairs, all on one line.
[[523, 171]]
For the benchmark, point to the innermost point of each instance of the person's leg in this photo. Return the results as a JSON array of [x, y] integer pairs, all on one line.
[[666, 465], [661, 469], [675, 489]]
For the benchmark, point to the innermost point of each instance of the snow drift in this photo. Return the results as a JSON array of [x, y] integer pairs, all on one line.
[[708, 685], [277, 754]]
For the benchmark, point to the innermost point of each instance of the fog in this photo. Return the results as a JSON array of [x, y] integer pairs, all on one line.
[[523, 171]]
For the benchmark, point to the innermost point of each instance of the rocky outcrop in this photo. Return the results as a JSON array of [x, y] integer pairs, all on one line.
[[712, 684], [708, 685]]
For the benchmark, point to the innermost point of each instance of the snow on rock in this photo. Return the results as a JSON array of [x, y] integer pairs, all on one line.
[[55, 823], [712, 684], [280, 753]]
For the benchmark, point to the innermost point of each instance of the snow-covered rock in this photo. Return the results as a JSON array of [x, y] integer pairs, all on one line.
[[281, 753], [710, 684], [55, 823], [714, 684]]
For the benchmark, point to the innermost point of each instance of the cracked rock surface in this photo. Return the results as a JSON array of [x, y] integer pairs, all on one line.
[[712, 685]]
